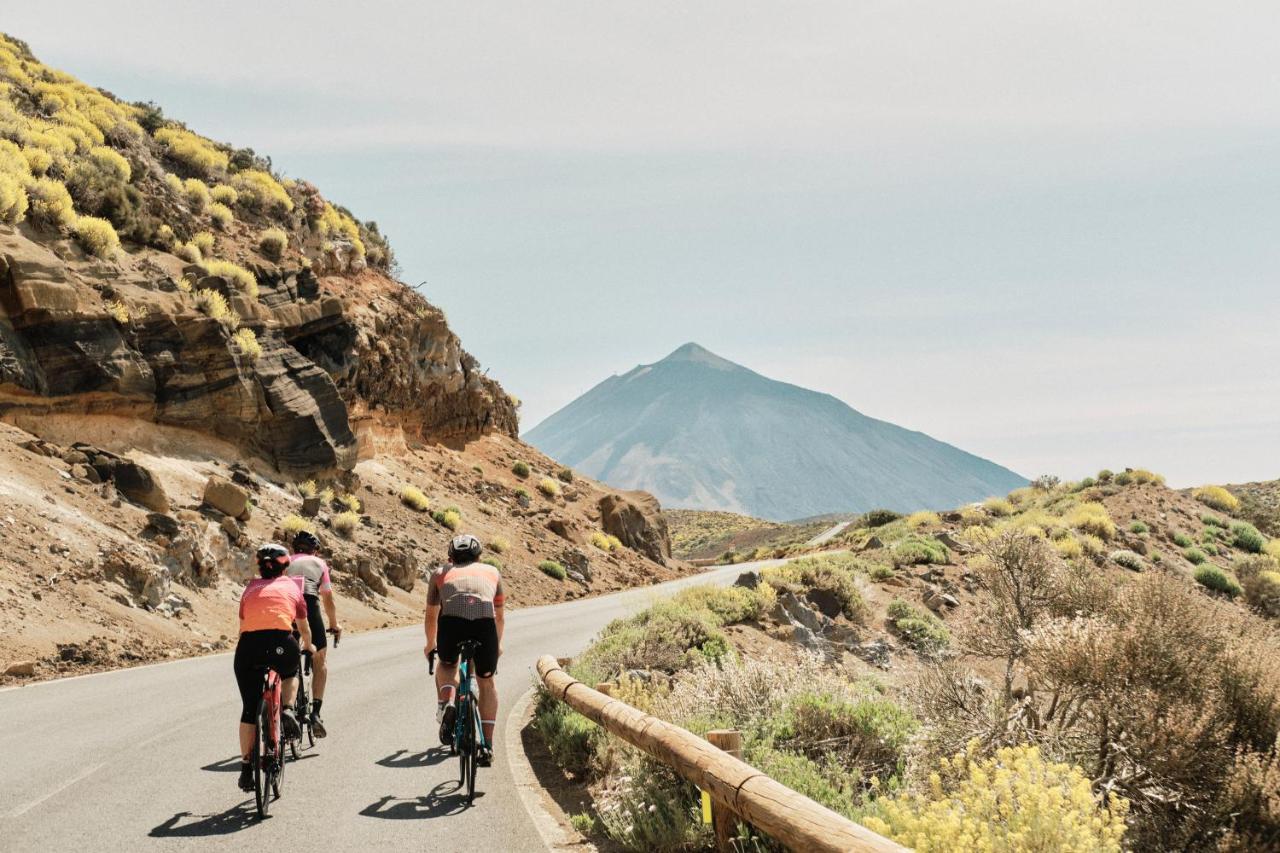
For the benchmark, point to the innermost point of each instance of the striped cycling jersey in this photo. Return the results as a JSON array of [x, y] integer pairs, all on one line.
[[470, 591], [313, 571]]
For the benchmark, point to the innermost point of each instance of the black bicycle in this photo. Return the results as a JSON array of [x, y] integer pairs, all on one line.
[[468, 735], [302, 705]]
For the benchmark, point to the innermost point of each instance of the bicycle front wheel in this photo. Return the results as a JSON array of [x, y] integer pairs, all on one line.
[[261, 758]]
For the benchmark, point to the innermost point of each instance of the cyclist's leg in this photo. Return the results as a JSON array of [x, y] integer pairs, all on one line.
[[248, 658], [285, 658], [486, 662], [319, 639]]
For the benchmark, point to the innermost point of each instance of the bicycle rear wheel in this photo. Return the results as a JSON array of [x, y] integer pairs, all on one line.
[[462, 740], [261, 759], [277, 778], [477, 742]]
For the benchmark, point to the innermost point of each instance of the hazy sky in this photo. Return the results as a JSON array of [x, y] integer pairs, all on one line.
[[1046, 232]]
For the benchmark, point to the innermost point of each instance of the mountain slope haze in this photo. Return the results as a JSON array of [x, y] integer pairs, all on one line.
[[701, 432]]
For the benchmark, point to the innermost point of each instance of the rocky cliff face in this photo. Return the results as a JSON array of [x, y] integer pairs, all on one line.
[[380, 352]]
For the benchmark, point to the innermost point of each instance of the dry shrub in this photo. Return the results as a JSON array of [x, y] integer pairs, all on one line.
[[1156, 698]]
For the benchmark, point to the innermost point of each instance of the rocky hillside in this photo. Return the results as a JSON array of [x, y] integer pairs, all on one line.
[[190, 346], [1127, 630], [701, 432]]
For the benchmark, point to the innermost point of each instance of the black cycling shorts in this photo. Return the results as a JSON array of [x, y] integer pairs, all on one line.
[[452, 630], [276, 650], [315, 619]]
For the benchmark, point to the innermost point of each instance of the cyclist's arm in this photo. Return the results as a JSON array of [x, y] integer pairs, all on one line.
[[330, 609], [499, 613]]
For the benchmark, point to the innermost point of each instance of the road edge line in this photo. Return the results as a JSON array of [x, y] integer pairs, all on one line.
[[553, 835]]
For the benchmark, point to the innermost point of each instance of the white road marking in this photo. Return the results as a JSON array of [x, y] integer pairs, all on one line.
[[81, 776]]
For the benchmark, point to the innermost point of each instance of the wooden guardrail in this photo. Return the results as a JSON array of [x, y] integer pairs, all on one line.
[[791, 818]]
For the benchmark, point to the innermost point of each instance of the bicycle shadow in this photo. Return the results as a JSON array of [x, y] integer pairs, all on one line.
[[226, 765], [234, 819], [445, 799], [403, 759]]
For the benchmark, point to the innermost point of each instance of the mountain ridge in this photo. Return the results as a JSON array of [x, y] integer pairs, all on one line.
[[703, 432]]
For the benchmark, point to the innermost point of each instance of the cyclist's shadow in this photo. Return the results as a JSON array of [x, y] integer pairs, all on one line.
[[232, 820], [403, 759], [445, 799]]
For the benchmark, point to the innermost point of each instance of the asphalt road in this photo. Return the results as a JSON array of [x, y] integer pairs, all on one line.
[[145, 759]]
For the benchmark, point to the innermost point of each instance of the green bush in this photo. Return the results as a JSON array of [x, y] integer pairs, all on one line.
[[1194, 556], [833, 573], [1139, 527], [570, 737], [862, 736], [881, 572], [1127, 559], [1247, 538], [920, 629], [565, 475], [670, 636], [916, 550], [553, 569], [1182, 540], [878, 518], [1213, 520], [520, 469], [1214, 578], [449, 518]]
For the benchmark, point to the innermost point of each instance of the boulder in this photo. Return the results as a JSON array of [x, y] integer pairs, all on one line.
[[226, 497], [371, 576], [576, 562], [310, 507], [402, 569], [748, 580], [21, 669], [136, 483], [560, 526], [165, 525], [635, 518]]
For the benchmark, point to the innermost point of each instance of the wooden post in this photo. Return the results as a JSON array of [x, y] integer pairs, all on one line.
[[605, 687], [722, 817]]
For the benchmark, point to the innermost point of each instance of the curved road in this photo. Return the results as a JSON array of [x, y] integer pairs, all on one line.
[[144, 759]]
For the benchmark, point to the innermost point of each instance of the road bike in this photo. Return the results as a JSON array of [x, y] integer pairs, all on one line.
[[268, 745], [468, 735], [302, 705]]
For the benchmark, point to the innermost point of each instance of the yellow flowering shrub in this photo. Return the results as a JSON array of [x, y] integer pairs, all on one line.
[[605, 542], [1217, 498], [922, 519], [196, 194], [51, 203], [195, 151], [189, 252], [174, 183], [13, 199], [111, 162], [213, 303], [119, 312], [335, 223], [39, 161], [262, 190], [224, 194], [236, 275], [1091, 518], [97, 236], [203, 241], [272, 242], [412, 497], [247, 342], [221, 215], [1016, 801]]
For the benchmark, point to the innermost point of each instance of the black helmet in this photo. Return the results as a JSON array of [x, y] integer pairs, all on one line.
[[273, 559], [464, 549], [305, 543]]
